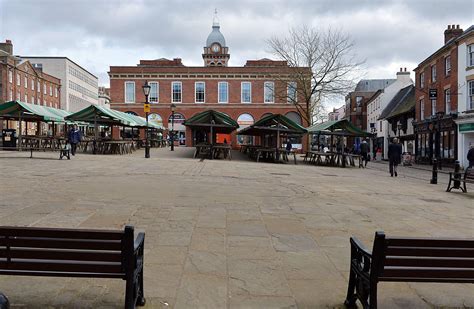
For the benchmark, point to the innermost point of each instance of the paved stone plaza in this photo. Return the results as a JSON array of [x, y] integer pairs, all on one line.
[[229, 234]]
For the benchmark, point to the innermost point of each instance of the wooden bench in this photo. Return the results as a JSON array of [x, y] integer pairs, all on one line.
[[54, 252], [458, 178], [407, 260]]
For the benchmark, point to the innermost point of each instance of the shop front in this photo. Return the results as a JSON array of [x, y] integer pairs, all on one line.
[[436, 138], [465, 136], [176, 124]]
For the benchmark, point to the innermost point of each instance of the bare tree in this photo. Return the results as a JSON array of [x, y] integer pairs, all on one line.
[[322, 65]]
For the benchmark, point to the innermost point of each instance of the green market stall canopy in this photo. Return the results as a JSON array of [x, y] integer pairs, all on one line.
[[105, 116], [272, 124], [17, 110], [220, 122], [337, 127]]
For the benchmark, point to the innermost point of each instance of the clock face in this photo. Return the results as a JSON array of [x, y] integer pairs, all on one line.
[[216, 48]]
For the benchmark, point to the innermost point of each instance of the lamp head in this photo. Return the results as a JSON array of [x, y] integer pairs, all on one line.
[[146, 89], [173, 107]]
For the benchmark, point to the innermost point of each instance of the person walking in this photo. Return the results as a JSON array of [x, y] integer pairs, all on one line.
[[394, 156], [74, 138], [364, 152], [470, 156]]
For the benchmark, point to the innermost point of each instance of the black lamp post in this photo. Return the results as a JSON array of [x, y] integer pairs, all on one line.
[[173, 107], [399, 127], [146, 91]]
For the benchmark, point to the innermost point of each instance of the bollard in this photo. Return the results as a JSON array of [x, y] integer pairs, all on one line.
[[4, 303], [434, 177], [457, 175]]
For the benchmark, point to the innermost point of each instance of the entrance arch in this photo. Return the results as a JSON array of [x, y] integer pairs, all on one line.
[[245, 120]]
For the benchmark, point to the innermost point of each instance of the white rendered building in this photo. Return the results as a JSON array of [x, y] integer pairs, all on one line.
[[377, 104], [79, 87]]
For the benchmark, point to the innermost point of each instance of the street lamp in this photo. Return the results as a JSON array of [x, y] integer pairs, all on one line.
[[146, 91], [173, 107], [399, 126]]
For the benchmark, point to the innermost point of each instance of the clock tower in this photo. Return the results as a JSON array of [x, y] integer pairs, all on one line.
[[216, 53]]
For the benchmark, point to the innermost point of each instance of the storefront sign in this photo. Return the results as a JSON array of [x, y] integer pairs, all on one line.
[[433, 94], [463, 127]]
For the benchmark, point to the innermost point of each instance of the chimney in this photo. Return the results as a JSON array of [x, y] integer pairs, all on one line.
[[453, 31], [7, 47]]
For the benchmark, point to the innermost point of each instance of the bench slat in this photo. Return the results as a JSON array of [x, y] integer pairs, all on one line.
[[420, 272], [76, 266], [429, 262], [61, 274], [438, 280], [430, 252], [424, 242], [59, 243], [52, 254], [60, 233]]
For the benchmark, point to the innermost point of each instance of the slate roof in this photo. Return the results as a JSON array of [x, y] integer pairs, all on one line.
[[401, 103]]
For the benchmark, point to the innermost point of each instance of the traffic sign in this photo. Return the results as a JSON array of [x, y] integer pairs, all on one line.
[[146, 108]]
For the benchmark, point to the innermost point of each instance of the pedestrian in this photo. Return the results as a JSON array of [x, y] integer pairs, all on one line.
[[289, 146], [74, 138], [364, 152], [470, 156], [394, 156]]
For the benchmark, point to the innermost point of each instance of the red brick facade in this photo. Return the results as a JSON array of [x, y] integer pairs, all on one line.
[[356, 112], [167, 71]]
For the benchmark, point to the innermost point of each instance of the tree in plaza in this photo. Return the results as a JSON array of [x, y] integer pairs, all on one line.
[[323, 65]]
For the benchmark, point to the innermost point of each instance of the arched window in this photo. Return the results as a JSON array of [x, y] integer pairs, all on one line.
[[156, 119], [244, 121], [131, 113], [295, 117], [178, 118]]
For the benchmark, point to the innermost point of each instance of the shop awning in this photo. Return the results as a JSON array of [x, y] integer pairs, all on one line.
[[272, 124], [31, 112], [219, 121], [337, 127], [104, 116]]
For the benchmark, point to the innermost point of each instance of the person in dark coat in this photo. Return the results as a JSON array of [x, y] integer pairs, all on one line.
[[394, 156], [289, 146], [364, 151], [470, 156], [74, 138]]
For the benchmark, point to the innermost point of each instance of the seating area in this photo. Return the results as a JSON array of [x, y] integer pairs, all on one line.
[[332, 159], [458, 180]]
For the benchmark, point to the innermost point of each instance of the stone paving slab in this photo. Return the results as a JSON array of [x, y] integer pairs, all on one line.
[[230, 234]]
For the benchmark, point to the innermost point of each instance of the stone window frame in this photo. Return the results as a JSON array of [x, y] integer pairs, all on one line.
[[203, 92], [219, 98], [180, 92], [125, 92], [242, 92], [152, 99], [266, 88]]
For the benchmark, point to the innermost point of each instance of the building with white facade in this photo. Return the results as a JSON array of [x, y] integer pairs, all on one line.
[[337, 113], [79, 87], [376, 105], [104, 97]]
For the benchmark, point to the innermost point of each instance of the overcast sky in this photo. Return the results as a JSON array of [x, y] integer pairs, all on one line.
[[100, 33]]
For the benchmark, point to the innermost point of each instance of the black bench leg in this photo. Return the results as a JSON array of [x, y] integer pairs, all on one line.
[[464, 188], [449, 185], [373, 296], [351, 297], [129, 294], [141, 294]]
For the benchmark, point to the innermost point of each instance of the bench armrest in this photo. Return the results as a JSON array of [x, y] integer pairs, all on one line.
[[359, 247], [139, 242]]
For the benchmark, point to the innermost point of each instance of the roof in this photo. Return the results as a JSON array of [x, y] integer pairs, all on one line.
[[102, 115], [66, 58], [211, 118], [406, 104], [272, 124], [447, 45], [398, 99], [31, 112], [337, 127], [215, 36], [369, 85]]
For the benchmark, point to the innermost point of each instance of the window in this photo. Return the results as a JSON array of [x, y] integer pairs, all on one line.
[[269, 92], [199, 92], [176, 89], [433, 73], [470, 55], [18, 81], [10, 96], [44, 88], [26, 98], [433, 107], [129, 92], [10, 76], [33, 84], [358, 101], [246, 90], [56, 92], [422, 110], [223, 92], [38, 86], [33, 99], [18, 96], [380, 126], [292, 96], [51, 90], [447, 101], [470, 103], [154, 92], [26, 81], [447, 65], [422, 80]]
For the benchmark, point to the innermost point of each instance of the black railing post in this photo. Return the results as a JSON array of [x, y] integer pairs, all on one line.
[[434, 177]]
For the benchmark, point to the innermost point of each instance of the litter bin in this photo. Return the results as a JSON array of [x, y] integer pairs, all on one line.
[[9, 138]]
